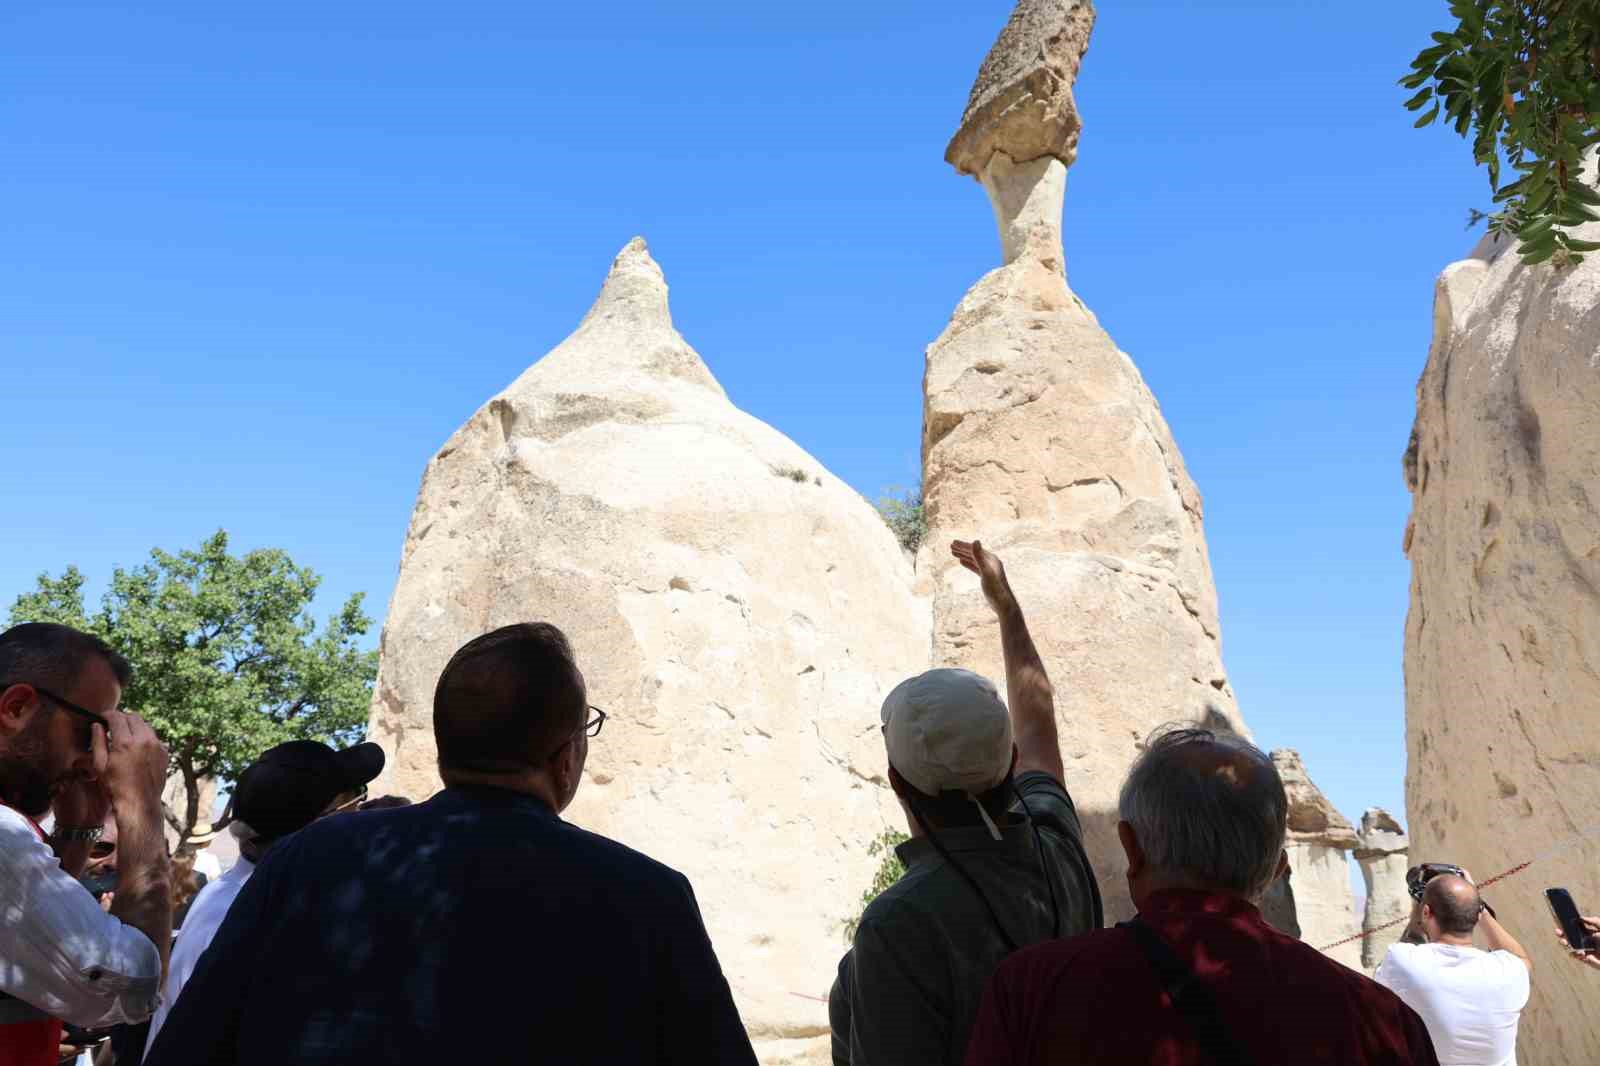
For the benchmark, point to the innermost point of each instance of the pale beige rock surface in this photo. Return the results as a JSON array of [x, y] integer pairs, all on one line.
[[1318, 845], [1503, 635], [1382, 857], [1041, 438], [1022, 103], [738, 610]]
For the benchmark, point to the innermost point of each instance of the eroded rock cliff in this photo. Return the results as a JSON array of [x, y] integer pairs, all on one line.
[[1503, 634]]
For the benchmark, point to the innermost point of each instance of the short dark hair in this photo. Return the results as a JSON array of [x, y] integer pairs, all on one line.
[[510, 697], [1455, 909], [54, 656]]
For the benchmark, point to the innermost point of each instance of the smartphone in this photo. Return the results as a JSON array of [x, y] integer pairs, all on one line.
[[1567, 917]]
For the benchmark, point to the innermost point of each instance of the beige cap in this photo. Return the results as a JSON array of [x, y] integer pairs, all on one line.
[[948, 730]]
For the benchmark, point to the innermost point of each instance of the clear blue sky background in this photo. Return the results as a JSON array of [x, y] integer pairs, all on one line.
[[260, 262]]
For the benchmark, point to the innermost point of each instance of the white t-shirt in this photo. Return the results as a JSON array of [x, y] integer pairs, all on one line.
[[1469, 999], [210, 907]]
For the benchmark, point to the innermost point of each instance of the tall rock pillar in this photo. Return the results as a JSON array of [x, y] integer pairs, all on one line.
[[1320, 840], [1503, 635], [1382, 856], [1041, 439]]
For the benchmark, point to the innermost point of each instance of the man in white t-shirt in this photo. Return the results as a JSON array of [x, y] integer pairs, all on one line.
[[1470, 999]]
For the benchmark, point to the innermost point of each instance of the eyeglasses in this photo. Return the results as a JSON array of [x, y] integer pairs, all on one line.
[[590, 728], [361, 797], [67, 705]]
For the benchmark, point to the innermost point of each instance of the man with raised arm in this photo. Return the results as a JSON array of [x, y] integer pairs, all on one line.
[[66, 749], [1471, 999], [995, 860]]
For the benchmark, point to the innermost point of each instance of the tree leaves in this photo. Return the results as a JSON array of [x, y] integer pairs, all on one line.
[[1522, 79], [228, 659]]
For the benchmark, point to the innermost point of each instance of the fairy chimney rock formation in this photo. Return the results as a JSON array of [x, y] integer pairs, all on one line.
[[1382, 857], [1319, 840], [1041, 438], [738, 611], [1502, 652], [1021, 103], [1020, 129]]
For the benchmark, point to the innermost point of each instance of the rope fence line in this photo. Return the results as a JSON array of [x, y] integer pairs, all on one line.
[[1562, 845]]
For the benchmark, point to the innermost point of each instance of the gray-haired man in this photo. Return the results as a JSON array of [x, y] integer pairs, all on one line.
[[995, 860], [1198, 976]]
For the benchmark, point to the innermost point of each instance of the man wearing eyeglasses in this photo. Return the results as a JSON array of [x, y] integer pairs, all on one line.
[[285, 790], [67, 751], [477, 926]]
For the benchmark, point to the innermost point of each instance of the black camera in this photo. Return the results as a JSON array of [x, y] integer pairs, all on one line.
[[1418, 877]]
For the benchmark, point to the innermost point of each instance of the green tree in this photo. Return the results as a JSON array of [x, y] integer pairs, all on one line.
[[228, 660], [1522, 79], [904, 516]]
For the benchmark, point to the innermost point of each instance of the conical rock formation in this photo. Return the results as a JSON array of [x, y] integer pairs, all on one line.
[[1503, 635], [1040, 437], [738, 611]]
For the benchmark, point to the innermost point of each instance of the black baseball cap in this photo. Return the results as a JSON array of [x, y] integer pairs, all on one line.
[[290, 785]]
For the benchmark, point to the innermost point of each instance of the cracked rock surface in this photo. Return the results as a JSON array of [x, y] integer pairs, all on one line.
[[1502, 643], [1041, 438], [740, 623]]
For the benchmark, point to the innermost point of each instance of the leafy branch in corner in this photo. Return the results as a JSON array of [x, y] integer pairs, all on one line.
[[1522, 79]]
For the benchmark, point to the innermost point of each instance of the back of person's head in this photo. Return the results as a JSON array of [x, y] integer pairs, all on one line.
[[53, 656], [1209, 811], [183, 882], [1455, 904], [508, 700], [948, 737]]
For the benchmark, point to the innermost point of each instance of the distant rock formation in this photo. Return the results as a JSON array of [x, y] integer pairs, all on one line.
[[738, 610], [1382, 856], [1503, 635], [1041, 438], [1319, 841]]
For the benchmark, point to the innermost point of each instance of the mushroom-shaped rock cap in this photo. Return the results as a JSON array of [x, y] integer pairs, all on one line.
[[1381, 834], [1022, 102], [1313, 819]]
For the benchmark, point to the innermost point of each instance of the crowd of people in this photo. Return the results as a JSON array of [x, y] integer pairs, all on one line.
[[480, 926]]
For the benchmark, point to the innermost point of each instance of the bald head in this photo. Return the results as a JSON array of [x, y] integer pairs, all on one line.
[[1454, 903]]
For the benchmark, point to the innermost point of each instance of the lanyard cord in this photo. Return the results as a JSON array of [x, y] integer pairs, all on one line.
[[1044, 871]]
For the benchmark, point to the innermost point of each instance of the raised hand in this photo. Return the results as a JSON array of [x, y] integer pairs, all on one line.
[[134, 758], [992, 573]]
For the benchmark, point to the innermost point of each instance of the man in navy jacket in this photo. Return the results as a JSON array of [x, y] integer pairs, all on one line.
[[475, 927]]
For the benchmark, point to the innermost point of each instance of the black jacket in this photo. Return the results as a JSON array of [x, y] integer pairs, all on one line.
[[476, 927]]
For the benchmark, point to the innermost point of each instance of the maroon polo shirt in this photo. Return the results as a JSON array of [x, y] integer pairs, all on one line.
[[1095, 999]]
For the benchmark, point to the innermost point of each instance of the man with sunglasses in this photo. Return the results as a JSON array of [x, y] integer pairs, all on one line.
[[476, 926], [67, 751], [285, 790]]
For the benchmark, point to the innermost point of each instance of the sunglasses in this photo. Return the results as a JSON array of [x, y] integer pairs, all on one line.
[[72, 708], [361, 797]]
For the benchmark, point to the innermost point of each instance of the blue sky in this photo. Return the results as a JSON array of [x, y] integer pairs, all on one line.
[[260, 263]]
